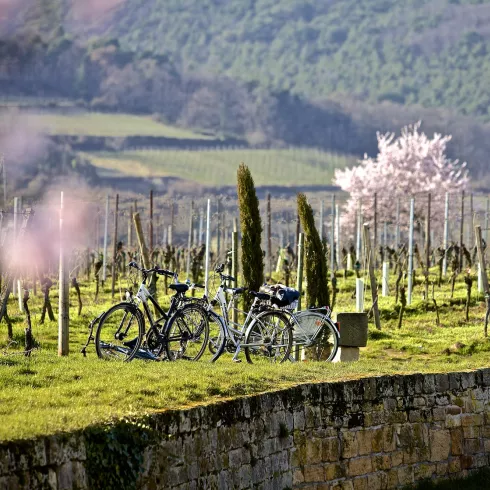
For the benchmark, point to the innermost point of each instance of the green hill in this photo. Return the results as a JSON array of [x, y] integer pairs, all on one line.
[[428, 52]]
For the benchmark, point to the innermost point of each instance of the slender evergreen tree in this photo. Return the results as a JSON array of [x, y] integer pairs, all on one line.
[[315, 262], [251, 229]]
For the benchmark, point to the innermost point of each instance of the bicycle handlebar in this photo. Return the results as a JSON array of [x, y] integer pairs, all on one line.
[[157, 270]]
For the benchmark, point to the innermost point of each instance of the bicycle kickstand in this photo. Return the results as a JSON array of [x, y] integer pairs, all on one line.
[[235, 356]]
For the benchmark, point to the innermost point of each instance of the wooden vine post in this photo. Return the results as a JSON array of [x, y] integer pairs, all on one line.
[[151, 221], [141, 241], [106, 231], [299, 278], [375, 254], [461, 234], [481, 258], [64, 294], [372, 277], [234, 264], [427, 248], [269, 232], [114, 250]]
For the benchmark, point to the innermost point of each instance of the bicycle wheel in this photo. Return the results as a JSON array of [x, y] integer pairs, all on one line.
[[269, 338], [120, 332], [318, 329], [187, 333], [217, 338]]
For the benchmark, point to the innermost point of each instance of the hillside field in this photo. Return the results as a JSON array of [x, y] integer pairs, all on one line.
[[80, 123], [285, 167]]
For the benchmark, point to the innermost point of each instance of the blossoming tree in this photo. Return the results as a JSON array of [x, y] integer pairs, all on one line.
[[410, 165]]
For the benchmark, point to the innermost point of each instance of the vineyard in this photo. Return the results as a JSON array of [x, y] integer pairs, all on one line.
[[442, 332], [281, 167]]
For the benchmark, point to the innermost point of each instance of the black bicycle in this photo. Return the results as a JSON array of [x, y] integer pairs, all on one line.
[[181, 332]]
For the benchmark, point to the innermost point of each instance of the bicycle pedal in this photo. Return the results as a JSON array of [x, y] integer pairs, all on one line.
[[237, 360]]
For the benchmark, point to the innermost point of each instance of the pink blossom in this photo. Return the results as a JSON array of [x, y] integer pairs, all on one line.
[[410, 165]]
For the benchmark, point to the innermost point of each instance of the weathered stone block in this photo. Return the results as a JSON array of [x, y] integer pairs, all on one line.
[[468, 380], [353, 329], [442, 468], [405, 475], [364, 442], [313, 416], [360, 483], [334, 471], [441, 383], [440, 444], [454, 465], [346, 354], [313, 451], [429, 384], [359, 466], [377, 440], [330, 449], [396, 458], [298, 476], [381, 462], [453, 421], [472, 446], [456, 441], [423, 470], [314, 473], [468, 419], [472, 432], [392, 479], [349, 447], [378, 480], [438, 414]]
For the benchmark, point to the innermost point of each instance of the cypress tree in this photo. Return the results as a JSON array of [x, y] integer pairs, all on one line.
[[315, 262], [251, 229]]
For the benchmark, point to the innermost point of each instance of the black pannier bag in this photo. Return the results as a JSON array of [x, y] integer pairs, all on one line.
[[282, 296]]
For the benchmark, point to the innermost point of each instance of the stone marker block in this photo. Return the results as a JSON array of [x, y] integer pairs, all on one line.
[[353, 329], [346, 354]]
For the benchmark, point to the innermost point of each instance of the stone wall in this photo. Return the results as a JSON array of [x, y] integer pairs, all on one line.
[[377, 433]]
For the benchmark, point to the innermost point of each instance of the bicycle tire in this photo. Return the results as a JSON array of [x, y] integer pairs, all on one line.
[[113, 332], [217, 336], [262, 333], [187, 333], [326, 342]]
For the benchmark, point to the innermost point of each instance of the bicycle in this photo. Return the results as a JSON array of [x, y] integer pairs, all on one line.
[[313, 329], [265, 335], [180, 333]]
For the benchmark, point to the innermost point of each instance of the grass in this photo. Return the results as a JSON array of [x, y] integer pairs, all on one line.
[[218, 167], [45, 394], [106, 125]]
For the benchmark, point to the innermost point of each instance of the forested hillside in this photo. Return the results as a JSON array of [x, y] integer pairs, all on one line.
[[429, 52]]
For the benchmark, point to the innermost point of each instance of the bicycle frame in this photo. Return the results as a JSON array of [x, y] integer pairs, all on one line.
[[235, 335]]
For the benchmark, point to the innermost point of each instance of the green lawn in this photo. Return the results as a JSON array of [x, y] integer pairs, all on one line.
[[105, 124], [291, 167], [46, 394]]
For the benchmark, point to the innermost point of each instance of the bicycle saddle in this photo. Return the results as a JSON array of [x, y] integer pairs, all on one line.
[[236, 290], [261, 296], [179, 287]]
